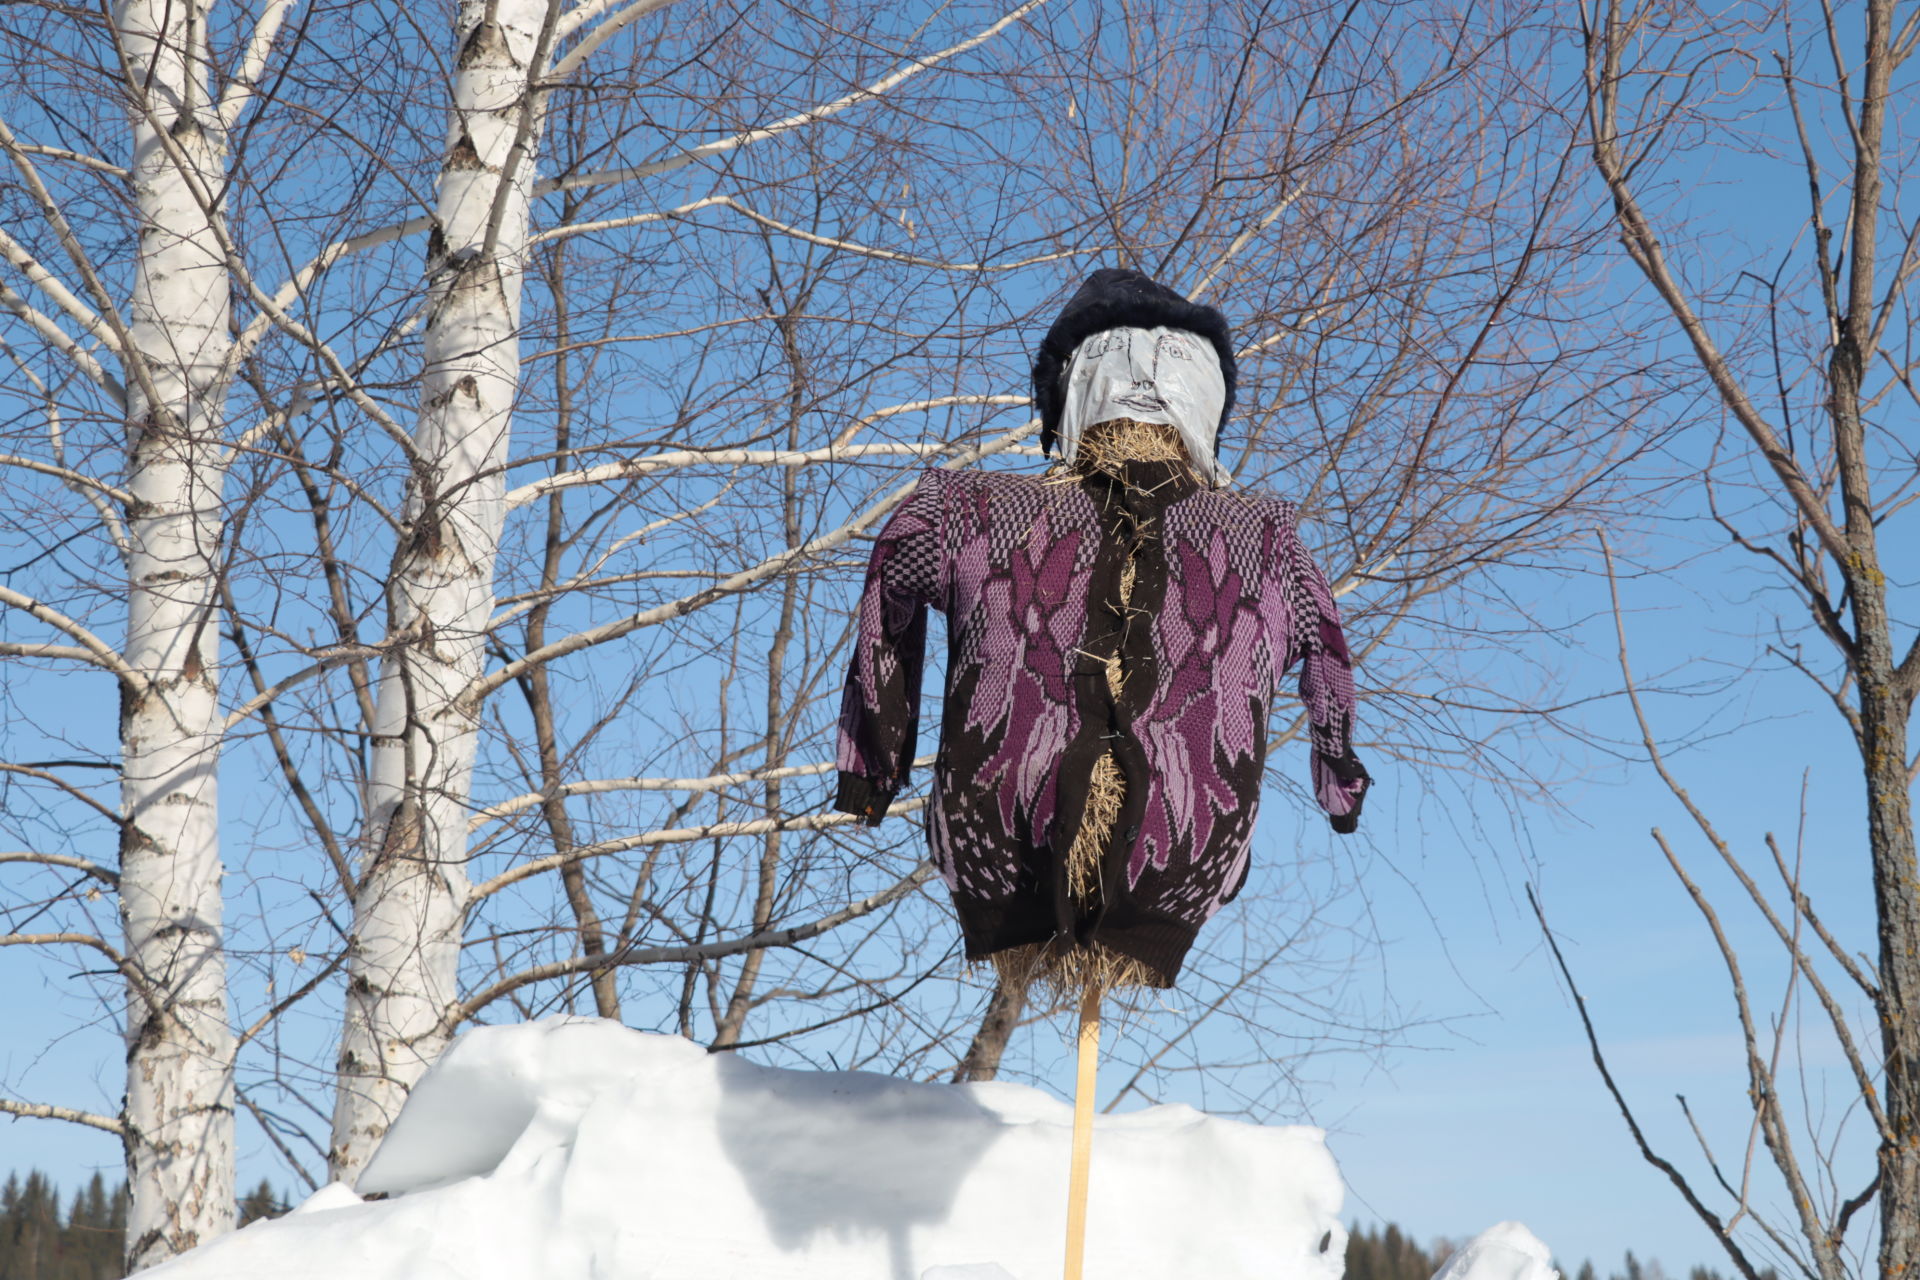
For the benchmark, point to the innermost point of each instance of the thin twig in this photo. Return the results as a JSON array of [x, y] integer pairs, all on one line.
[[1678, 1179]]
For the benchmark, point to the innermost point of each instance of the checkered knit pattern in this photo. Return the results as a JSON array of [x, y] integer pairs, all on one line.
[[1226, 601]]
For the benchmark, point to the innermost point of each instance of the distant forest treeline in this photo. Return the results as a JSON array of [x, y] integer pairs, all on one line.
[[1387, 1253], [41, 1240]]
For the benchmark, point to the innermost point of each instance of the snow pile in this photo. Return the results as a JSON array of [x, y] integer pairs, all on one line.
[[1506, 1251], [577, 1149]]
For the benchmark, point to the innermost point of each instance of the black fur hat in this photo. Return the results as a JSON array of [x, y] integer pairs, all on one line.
[[1116, 298]]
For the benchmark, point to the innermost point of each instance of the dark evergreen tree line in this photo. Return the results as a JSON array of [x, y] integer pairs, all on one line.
[[38, 1241], [1651, 1270], [1388, 1253]]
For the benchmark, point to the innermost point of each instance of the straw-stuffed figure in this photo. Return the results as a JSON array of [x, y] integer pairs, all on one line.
[[1117, 631]]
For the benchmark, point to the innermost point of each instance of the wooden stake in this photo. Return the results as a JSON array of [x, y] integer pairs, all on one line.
[[1083, 1091]]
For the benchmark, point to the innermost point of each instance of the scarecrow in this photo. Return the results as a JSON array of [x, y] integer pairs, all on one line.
[[1117, 630]]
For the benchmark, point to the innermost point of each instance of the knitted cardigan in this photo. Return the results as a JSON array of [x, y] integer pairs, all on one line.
[[1027, 570]]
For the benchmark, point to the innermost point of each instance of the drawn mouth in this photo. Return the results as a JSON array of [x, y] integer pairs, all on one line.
[[1140, 400]]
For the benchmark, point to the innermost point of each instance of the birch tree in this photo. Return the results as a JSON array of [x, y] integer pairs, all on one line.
[[412, 900], [154, 342], [178, 1122], [412, 897]]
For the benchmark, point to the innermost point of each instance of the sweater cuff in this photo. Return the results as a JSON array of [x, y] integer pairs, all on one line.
[[1342, 783], [859, 795]]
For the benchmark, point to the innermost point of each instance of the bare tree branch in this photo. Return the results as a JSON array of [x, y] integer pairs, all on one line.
[[631, 955], [812, 115], [682, 835], [106, 875], [97, 651], [42, 1111], [1678, 1179], [712, 782]]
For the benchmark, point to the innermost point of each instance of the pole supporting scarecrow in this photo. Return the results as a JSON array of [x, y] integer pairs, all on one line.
[[1083, 1094]]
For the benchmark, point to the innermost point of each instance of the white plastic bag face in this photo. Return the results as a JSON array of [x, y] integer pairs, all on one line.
[[1161, 375]]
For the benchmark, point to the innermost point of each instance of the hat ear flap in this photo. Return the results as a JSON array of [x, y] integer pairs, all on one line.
[[1050, 433], [1049, 394]]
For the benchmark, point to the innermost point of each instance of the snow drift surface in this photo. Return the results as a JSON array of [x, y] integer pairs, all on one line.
[[577, 1149], [1506, 1251]]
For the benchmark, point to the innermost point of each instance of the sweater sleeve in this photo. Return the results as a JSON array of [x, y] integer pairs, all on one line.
[[880, 709], [1340, 781]]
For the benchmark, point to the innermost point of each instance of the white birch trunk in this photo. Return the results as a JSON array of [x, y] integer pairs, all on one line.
[[412, 901], [179, 1101]]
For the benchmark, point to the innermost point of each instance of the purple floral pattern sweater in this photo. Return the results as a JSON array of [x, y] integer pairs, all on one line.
[[1027, 571]]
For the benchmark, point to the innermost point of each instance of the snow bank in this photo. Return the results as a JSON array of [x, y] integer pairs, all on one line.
[[1505, 1251], [575, 1149]]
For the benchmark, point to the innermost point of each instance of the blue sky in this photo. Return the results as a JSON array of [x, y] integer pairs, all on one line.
[[1496, 1113], [1493, 1110], [1509, 1120]]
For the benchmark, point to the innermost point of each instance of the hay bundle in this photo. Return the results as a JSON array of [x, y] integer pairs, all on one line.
[[1065, 968]]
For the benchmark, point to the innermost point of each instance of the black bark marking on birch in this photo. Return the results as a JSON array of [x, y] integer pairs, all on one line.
[[486, 45], [463, 156]]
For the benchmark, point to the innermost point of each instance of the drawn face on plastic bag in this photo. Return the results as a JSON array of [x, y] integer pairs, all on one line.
[[1161, 375]]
